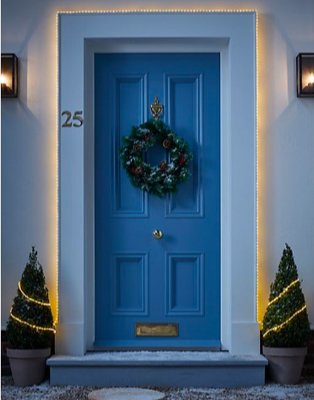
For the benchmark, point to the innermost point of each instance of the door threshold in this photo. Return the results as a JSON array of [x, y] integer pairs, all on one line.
[[104, 349]]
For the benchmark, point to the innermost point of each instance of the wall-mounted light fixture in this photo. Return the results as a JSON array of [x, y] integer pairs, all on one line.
[[9, 75], [305, 75]]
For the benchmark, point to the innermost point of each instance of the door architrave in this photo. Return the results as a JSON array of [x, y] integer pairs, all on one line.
[[81, 35]]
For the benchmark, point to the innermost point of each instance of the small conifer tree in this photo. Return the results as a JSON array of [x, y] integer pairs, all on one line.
[[286, 322], [30, 324]]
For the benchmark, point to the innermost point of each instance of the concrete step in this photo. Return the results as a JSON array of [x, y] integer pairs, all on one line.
[[158, 369]]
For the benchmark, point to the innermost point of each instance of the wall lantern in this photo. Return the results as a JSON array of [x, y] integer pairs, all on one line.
[[9, 75], [305, 75]]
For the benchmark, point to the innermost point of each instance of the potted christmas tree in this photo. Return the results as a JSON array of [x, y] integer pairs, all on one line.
[[286, 325], [30, 328]]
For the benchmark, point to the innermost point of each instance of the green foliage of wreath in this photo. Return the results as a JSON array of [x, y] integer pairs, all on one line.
[[158, 179]]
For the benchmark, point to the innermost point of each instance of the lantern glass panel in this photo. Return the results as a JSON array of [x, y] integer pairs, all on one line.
[[305, 75], [9, 75]]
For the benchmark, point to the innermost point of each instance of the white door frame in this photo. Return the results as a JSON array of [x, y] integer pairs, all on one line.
[[234, 36]]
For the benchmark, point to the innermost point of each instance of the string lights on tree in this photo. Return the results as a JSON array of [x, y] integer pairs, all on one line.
[[286, 322], [30, 323]]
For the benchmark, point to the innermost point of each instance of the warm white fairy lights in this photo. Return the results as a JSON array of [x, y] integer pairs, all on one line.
[[278, 328], [286, 289], [257, 164], [32, 326], [165, 11], [57, 172], [32, 300], [157, 10]]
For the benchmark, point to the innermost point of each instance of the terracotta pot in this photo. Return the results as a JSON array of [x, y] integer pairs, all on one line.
[[285, 363], [28, 366]]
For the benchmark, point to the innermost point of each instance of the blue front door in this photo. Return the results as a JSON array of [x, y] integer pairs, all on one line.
[[149, 292]]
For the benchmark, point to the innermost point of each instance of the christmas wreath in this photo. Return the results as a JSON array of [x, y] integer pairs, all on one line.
[[156, 179]]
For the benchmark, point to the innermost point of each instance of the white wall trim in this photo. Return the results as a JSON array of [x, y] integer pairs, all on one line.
[[233, 34]]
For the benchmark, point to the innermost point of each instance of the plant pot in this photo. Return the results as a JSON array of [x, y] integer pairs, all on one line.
[[28, 366], [285, 363]]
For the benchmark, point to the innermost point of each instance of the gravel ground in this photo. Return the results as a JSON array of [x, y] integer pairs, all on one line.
[[303, 391]]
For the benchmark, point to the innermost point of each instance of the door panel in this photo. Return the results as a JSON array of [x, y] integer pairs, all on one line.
[[129, 284], [140, 279], [126, 201], [185, 284], [184, 93]]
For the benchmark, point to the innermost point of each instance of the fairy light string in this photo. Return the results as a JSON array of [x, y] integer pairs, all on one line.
[[278, 328], [286, 289], [32, 300], [33, 326], [142, 11]]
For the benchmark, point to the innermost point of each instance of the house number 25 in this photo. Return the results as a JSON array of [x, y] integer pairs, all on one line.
[[75, 120]]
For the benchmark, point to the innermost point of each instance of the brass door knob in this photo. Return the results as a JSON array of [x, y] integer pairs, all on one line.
[[157, 234]]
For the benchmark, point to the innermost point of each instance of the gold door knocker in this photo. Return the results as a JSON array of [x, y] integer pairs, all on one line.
[[156, 108]]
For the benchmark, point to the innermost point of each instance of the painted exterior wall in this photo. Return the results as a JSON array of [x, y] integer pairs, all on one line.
[[286, 138]]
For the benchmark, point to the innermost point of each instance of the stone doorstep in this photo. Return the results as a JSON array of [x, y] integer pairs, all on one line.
[[158, 369], [157, 357], [126, 394]]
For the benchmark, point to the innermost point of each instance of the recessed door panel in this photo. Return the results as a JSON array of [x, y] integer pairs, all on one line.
[[185, 284], [184, 92], [126, 200], [129, 284]]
